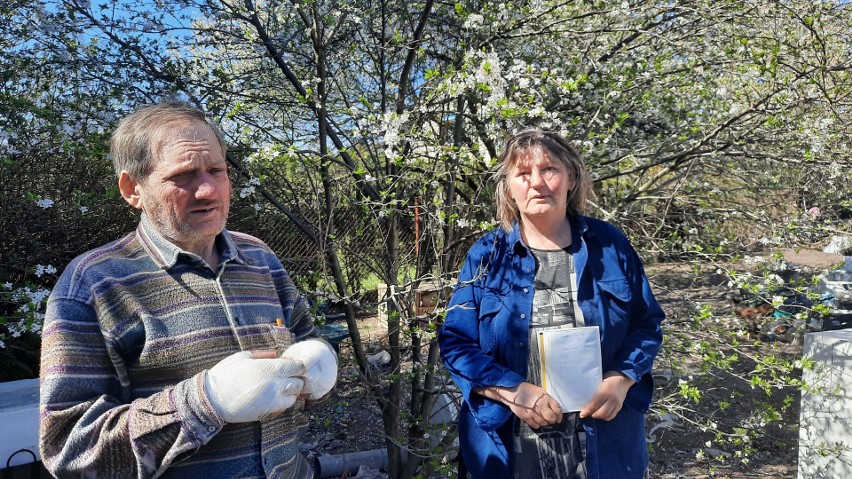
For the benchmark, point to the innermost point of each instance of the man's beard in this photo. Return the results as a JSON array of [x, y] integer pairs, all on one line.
[[174, 229]]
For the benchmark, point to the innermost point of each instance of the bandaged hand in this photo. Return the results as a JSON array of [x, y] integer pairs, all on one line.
[[243, 388], [320, 366]]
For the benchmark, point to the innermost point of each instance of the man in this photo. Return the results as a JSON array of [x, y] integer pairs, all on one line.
[[168, 352]]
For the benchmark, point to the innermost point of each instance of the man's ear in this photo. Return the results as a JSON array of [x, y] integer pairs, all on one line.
[[129, 188]]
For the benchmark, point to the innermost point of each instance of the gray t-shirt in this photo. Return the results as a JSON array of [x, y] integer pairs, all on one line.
[[551, 452]]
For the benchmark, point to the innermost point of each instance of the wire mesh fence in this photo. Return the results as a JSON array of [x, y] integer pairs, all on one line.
[[55, 207], [300, 223]]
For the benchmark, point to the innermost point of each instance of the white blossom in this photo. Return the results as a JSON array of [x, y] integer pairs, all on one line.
[[473, 21], [392, 124]]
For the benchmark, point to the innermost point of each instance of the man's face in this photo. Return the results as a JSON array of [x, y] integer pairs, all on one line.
[[187, 193]]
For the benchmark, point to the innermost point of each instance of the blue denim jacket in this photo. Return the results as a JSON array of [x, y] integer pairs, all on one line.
[[484, 342]]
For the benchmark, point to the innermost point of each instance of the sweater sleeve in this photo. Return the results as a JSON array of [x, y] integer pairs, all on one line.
[[89, 427]]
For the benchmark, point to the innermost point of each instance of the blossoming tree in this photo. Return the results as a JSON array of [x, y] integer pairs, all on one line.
[[706, 125]]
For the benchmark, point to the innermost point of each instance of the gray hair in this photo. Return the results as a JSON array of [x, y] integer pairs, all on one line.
[[131, 145], [535, 142]]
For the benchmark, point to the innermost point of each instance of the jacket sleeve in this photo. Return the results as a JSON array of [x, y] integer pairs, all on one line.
[[635, 356], [89, 427], [462, 350]]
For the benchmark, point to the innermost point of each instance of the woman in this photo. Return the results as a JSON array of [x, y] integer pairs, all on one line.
[[549, 267]]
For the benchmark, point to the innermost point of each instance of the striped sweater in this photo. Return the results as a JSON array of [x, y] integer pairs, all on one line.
[[130, 330]]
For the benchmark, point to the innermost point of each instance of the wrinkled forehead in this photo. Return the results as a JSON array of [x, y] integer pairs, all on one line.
[[199, 133], [178, 131]]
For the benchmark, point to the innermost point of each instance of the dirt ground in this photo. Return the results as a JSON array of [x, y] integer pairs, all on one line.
[[681, 444], [350, 420]]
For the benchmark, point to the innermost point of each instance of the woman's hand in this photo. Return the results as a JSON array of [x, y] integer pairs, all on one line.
[[534, 406], [527, 401], [609, 397]]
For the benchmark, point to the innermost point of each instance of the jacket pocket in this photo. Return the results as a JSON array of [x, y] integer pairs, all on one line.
[[617, 288], [615, 298], [489, 308]]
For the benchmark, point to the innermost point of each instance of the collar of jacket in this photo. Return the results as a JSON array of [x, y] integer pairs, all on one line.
[[165, 254], [578, 223]]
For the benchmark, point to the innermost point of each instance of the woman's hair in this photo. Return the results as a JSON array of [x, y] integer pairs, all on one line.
[[134, 143], [528, 144]]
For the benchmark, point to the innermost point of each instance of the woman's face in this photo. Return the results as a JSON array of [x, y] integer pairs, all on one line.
[[539, 186]]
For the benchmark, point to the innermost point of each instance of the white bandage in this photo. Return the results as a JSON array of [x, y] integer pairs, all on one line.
[[244, 389], [320, 366]]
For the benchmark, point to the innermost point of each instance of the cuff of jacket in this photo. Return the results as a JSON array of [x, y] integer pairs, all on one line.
[[197, 416], [640, 394], [490, 414]]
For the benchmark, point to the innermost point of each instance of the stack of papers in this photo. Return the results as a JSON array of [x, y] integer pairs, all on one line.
[[571, 368]]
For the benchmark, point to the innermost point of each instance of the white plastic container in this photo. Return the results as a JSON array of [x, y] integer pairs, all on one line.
[[825, 419], [18, 422]]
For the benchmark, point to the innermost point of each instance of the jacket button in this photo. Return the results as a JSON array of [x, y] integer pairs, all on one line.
[[526, 290], [523, 316]]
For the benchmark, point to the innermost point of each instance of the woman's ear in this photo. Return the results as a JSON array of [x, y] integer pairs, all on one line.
[[129, 188], [504, 184], [572, 181]]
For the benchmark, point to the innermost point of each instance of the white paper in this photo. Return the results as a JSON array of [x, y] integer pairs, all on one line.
[[571, 368]]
